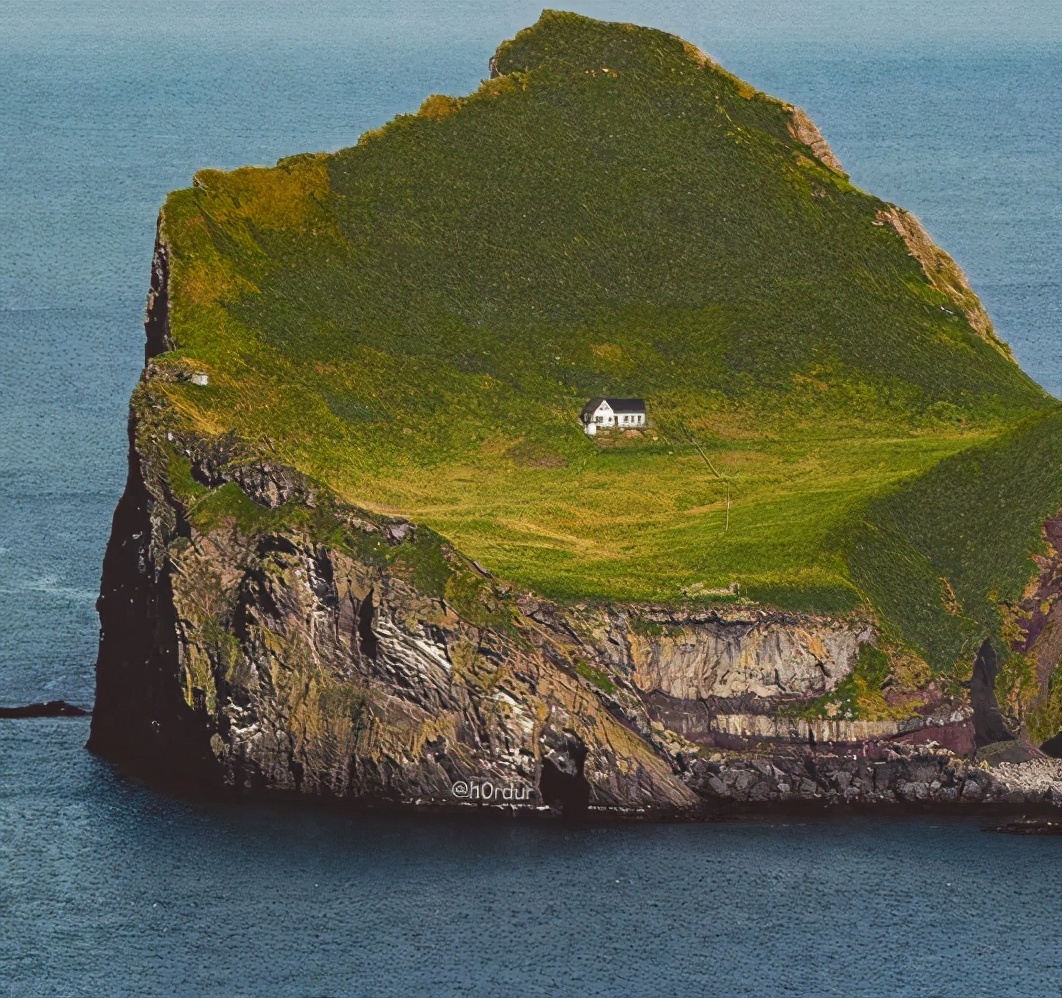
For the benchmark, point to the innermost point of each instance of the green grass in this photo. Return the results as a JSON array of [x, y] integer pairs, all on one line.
[[596, 676], [973, 520], [416, 321]]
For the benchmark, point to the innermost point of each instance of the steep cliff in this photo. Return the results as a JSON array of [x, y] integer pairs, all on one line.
[[365, 551], [258, 634]]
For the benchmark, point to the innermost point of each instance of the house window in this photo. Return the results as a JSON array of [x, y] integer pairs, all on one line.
[[599, 419]]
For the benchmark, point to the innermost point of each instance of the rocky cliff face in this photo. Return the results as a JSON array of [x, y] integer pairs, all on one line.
[[256, 634], [942, 272]]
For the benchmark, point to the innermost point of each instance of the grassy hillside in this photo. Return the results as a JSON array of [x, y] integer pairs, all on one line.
[[418, 320]]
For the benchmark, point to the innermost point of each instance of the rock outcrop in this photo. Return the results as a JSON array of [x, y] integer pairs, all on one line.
[[942, 272], [47, 708], [1038, 626], [762, 654], [326, 659], [803, 129], [382, 664], [259, 635]]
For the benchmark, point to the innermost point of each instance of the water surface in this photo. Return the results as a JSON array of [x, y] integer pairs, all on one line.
[[110, 889], [949, 109]]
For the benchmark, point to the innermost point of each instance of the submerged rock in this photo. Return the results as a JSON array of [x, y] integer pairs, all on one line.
[[1029, 826], [48, 708]]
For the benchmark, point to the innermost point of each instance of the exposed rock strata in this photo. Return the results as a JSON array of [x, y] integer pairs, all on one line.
[[274, 662], [942, 272], [311, 648], [1039, 630], [270, 660], [767, 655], [803, 129]]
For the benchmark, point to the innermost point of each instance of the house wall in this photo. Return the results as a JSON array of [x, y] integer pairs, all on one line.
[[611, 419]]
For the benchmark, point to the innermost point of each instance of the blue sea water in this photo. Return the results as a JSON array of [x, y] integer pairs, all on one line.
[[951, 109]]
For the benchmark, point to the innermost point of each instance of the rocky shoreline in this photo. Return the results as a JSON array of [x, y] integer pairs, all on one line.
[[904, 774]]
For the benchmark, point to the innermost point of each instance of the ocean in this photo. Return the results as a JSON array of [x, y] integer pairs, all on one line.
[[951, 110]]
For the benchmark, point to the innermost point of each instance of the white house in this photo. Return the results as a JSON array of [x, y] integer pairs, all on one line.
[[623, 414]]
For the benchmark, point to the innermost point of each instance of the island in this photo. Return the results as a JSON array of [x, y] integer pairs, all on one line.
[[588, 443]]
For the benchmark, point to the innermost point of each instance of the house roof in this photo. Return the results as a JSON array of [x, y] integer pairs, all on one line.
[[616, 405], [627, 405]]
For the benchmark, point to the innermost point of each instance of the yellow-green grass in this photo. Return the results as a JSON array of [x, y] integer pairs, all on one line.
[[643, 525], [637, 522]]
